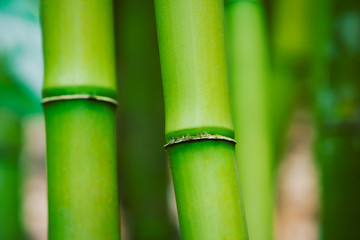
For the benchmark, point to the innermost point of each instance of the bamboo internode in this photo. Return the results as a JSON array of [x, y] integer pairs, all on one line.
[[199, 128]]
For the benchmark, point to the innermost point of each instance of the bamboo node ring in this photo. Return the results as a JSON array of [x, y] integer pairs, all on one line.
[[198, 137], [79, 97]]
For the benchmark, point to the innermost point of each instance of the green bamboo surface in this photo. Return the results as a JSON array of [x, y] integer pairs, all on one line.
[[337, 118], [196, 93], [193, 59], [10, 204], [249, 75], [143, 174], [81, 167], [81, 150], [78, 47], [207, 190]]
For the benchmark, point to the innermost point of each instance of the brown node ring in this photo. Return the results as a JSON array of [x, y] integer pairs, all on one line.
[[79, 97], [198, 137]]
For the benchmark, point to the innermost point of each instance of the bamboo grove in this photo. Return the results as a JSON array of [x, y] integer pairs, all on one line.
[[170, 119]]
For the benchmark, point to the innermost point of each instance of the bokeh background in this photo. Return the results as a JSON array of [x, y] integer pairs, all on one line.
[[314, 93]]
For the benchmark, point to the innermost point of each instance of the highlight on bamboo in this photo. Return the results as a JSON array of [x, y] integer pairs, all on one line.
[[179, 119]]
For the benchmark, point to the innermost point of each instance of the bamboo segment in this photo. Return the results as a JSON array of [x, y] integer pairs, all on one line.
[[79, 94], [249, 75], [207, 190], [81, 166], [78, 48], [194, 71]]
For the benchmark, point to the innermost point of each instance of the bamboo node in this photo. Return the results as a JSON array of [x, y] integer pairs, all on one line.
[[198, 137], [79, 97]]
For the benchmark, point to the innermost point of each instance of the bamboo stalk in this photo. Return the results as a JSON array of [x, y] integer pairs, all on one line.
[[79, 95], [143, 174], [249, 75], [291, 63], [10, 144], [198, 124]]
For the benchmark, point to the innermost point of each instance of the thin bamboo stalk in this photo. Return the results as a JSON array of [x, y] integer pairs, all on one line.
[[10, 144], [197, 111], [79, 92], [16, 102], [249, 75], [291, 63], [143, 174]]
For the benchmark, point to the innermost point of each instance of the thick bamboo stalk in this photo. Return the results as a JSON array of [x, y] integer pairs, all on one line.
[[249, 75], [79, 92], [198, 120], [143, 174]]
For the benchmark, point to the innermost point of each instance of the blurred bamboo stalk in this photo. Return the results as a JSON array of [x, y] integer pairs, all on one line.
[[79, 97], [143, 174], [15, 103], [198, 122], [249, 75], [10, 179], [291, 43], [338, 117]]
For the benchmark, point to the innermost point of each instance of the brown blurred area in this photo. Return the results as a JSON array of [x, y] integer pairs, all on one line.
[[297, 206], [34, 186]]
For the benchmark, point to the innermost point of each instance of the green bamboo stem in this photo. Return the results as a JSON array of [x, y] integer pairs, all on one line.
[[143, 174], [249, 75], [80, 119], [10, 143], [291, 62], [194, 71]]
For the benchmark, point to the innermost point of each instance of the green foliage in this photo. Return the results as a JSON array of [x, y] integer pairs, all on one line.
[[337, 101]]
